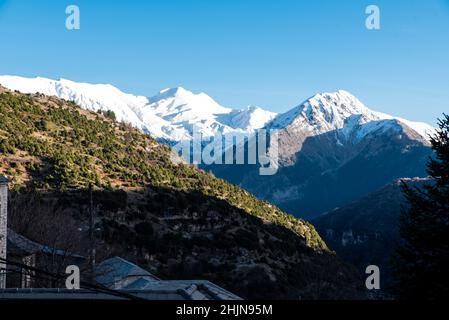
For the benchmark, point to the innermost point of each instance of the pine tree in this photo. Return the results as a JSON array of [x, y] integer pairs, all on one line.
[[421, 262]]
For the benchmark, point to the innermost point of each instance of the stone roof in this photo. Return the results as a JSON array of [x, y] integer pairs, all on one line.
[[188, 289], [120, 274], [85, 294], [22, 246]]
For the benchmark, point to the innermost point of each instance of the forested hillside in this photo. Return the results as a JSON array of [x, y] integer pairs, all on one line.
[[173, 219]]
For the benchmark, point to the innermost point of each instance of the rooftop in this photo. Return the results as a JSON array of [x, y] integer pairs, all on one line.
[[119, 274], [22, 246]]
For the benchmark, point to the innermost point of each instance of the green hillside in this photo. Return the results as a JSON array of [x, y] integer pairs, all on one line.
[[173, 219]]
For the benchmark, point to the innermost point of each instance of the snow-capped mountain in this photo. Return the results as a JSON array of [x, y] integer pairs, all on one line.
[[325, 112], [184, 109], [332, 149], [170, 115], [341, 115]]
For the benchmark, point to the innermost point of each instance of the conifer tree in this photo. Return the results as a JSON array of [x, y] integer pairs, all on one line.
[[421, 262]]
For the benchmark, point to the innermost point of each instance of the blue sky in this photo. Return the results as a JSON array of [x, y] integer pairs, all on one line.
[[268, 53]]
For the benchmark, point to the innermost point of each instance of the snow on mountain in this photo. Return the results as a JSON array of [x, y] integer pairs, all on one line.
[[183, 105], [93, 97], [184, 109], [325, 112], [250, 118], [170, 115], [422, 128]]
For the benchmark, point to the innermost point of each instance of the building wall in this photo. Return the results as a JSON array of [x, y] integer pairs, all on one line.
[[3, 229]]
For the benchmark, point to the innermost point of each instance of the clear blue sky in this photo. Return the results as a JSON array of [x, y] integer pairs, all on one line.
[[268, 53]]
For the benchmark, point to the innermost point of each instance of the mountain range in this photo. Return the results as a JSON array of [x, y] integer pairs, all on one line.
[[168, 116], [332, 148]]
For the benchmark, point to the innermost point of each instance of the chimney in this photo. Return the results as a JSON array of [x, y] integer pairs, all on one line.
[[3, 228]]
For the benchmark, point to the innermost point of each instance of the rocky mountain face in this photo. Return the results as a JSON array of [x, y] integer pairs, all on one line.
[[173, 219], [333, 150], [365, 232]]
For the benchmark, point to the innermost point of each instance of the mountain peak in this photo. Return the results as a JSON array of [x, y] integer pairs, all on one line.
[[338, 101], [174, 91], [325, 111], [183, 96], [340, 110], [338, 93]]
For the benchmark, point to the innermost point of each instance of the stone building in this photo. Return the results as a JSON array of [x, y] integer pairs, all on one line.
[[124, 277], [3, 228], [119, 274], [22, 253], [30, 254]]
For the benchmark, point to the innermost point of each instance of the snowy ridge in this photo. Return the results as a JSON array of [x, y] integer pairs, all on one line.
[[170, 115], [325, 112]]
